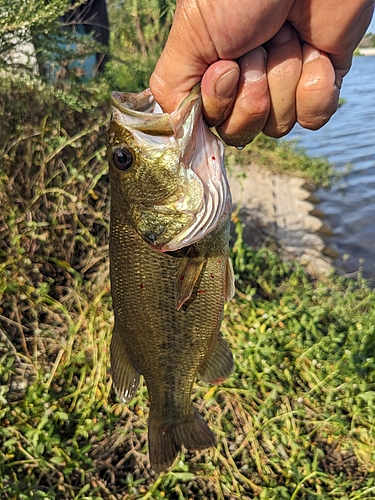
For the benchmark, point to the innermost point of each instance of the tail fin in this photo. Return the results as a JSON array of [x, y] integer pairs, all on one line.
[[165, 441]]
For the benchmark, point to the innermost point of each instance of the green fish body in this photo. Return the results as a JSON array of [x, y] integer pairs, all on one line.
[[170, 266]]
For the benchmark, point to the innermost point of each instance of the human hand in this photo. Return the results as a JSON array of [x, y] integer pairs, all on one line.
[[262, 64]]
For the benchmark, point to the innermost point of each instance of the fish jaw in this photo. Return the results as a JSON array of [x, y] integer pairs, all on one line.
[[198, 191], [204, 153]]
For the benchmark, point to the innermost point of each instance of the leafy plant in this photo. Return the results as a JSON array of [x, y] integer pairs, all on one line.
[[32, 35], [139, 30]]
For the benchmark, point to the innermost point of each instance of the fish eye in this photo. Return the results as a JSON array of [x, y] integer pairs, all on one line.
[[123, 158]]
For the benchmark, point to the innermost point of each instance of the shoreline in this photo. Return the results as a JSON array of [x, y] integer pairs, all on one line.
[[368, 51], [283, 210]]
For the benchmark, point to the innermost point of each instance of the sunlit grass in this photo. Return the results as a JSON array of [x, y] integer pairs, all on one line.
[[281, 156]]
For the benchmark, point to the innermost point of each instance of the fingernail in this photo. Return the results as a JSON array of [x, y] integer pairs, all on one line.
[[253, 65], [283, 35], [226, 85], [339, 77], [312, 54]]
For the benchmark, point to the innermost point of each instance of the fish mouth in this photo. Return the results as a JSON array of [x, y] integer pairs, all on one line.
[[201, 156]]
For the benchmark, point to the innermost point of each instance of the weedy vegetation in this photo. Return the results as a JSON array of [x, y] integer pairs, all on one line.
[[294, 421], [282, 156]]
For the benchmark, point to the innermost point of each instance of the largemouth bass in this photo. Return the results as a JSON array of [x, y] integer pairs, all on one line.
[[170, 266]]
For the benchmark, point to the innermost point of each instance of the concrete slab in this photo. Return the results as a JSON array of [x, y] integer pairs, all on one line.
[[281, 209]]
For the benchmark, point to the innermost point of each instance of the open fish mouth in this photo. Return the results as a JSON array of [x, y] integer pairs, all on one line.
[[204, 200]]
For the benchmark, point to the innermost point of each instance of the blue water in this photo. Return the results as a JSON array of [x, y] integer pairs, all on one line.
[[349, 137]]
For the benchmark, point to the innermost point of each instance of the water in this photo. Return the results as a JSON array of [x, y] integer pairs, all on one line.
[[349, 137]]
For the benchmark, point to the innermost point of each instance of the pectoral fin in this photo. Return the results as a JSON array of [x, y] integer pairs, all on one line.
[[125, 377], [187, 276], [229, 281], [219, 365]]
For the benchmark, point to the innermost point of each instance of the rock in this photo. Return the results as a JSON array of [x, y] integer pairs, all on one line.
[[280, 209], [305, 207]]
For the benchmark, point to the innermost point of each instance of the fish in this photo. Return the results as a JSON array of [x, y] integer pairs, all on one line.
[[170, 268]]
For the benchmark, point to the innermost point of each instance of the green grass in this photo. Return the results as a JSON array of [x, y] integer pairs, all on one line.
[[282, 156], [296, 419]]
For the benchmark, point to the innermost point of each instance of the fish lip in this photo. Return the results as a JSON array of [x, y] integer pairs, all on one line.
[[139, 111], [135, 106], [145, 103]]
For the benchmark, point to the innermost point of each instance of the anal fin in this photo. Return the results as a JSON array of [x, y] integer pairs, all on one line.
[[187, 276], [219, 365], [125, 377]]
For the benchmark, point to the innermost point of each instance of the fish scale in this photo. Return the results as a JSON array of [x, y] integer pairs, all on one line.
[[152, 305]]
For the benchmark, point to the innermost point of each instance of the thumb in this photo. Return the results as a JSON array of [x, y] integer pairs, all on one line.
[[173, 79]]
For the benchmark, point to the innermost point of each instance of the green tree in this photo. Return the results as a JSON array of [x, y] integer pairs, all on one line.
[[139, 30], [367, 41], [31, 33], [371, 37]]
